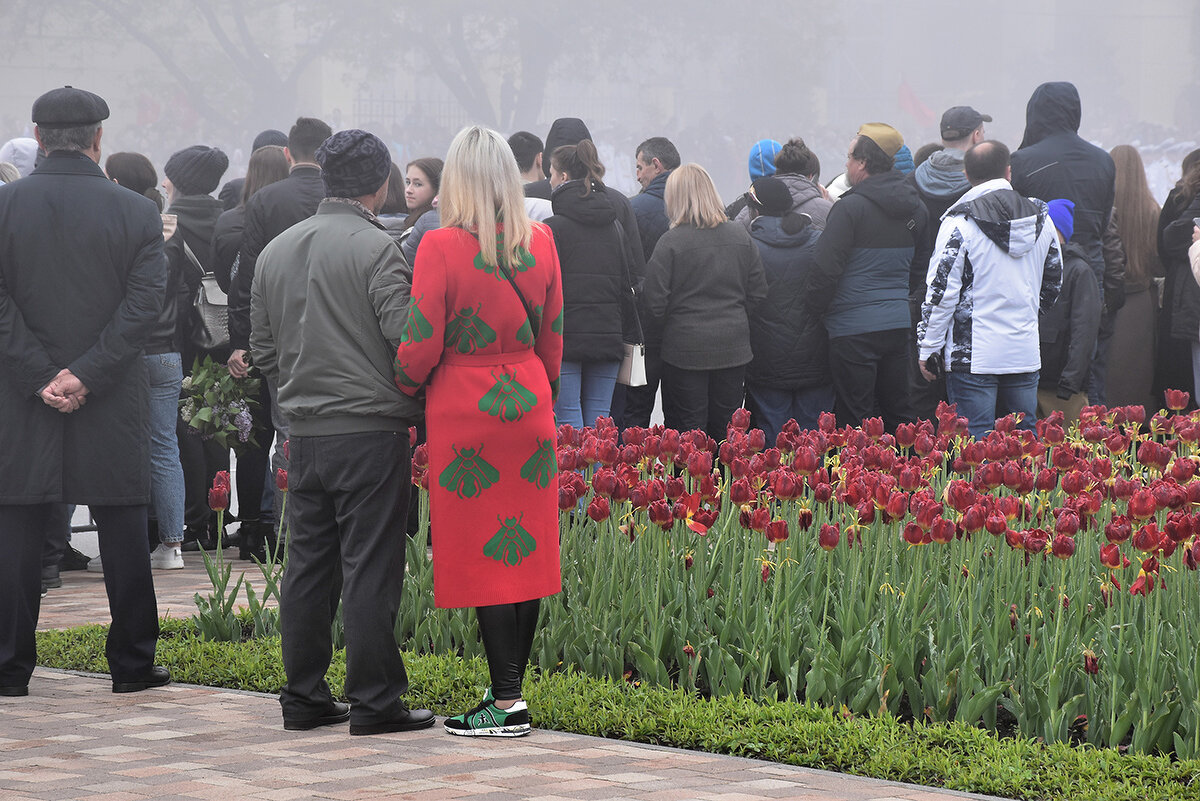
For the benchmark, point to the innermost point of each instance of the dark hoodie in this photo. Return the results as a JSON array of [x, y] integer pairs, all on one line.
[[865, 256], [593, 272], [791, 349], [563, 131], [1055, 162]]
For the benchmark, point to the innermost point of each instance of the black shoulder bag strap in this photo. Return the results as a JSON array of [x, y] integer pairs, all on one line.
[[633, 305], [533, 327]]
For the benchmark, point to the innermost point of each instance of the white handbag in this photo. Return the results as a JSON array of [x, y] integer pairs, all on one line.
[[633, 366]]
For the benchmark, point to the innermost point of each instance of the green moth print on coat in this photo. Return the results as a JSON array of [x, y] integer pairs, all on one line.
[[507, 400], [557, 325], [542, 466], [417, 328], [467, 332], [523, 261], [525, 333], [511, 543], [402, 379], [468, 474]]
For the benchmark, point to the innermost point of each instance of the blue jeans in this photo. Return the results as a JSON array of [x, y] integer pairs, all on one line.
[[984, 398], [166, 471], [773, 407], [585, 392]]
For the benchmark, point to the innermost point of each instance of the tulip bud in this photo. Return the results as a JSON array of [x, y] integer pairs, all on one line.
[[1090, 663], [688, 561], [281, 481], [688, 651], [777, 531], [829, 537], [766, 572], [218, 498], [804, 518]]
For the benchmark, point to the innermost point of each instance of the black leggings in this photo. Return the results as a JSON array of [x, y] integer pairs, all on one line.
[[507, 632]]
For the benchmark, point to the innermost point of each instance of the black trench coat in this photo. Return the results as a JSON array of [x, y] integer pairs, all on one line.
[[82, 279]]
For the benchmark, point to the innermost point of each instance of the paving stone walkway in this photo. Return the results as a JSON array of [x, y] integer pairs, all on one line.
[[72, 738]]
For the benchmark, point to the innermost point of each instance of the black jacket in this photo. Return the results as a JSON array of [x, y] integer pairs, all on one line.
[[82, 278], [650, 209], [593, 272], [1183, 294], [791, 349], [1069, 329], [1055, 162], [701, 283], [226, 242], [197, 217], [272, 210], [864, 258]]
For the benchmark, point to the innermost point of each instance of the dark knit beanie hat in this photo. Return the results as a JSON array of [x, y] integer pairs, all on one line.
[[196, 170], [771, 197], [353, 163], [269, 137]]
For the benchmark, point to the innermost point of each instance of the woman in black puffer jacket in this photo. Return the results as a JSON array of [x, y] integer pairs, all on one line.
[[593, 254]]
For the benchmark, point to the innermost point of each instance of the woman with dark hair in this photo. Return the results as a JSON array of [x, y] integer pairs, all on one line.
[[268, 164], [135, 172], [422, 182], [1131, 348], [592, 252], [705, 275], [1179, 308], [800, 170]]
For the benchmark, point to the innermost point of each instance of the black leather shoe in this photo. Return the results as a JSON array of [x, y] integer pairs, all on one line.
[[157, 676], [14, 690], [336, 713], [74, 560], [408, 720]]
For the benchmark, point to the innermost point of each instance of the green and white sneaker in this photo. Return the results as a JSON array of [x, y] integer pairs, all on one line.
[[489, 720]]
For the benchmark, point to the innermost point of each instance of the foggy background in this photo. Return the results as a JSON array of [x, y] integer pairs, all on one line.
[[713, 77]]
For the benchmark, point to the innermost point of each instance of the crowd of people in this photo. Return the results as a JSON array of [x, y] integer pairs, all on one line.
[[486, 299]]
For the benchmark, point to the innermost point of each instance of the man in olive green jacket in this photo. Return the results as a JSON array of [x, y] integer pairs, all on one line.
[[328, 304]]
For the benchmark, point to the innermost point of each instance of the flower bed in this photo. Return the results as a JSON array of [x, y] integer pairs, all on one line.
[[1043, 584]]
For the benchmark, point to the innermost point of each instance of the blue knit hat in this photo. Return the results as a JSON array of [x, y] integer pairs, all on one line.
[[1062, 214], [762, 158]]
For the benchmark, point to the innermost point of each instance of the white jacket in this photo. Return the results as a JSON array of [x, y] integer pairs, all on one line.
[[996, 261]]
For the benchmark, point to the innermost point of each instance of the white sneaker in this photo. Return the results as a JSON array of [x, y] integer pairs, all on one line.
[[166, 557], [94, 565]]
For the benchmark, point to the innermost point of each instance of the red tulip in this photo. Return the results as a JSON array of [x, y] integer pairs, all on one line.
[[740, 419], [660, 513], [1063, 546], [1146, 538], [942, 531], [829, 537], [1035, 540], [1067, 523], [1119, 530], [218, 498], [806, 460], [906, 434], [777, 531], [1177, 399], [757, 440], [804, 518], [1110, 556], [826, 423], [1142, 505], [1182, 470], [598, 509], [873, 426], [281, 482], [699, 463], [740, 492], [913, 534], [1090, 663]]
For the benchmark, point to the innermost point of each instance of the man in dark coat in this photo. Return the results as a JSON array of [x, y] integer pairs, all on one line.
[[655, 159], [1054, 161], [82, 279], [860, 285]]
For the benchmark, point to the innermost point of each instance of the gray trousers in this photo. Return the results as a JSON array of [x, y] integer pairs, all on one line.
[[347, 506]]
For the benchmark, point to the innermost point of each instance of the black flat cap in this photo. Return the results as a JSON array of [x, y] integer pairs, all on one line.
[[69, 107]]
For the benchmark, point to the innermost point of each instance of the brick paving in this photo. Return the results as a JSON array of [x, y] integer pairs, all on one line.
[[72, 738]]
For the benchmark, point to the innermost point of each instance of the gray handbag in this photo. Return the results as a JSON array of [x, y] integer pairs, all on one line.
[[210, 316]]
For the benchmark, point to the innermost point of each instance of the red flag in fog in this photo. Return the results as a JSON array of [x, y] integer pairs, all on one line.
[[913, 106]]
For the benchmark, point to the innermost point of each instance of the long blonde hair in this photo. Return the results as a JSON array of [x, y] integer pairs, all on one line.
[[692, 199], [1137, 214], [481, 192]]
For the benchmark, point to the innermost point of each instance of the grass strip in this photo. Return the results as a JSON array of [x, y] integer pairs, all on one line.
[[952, 756]]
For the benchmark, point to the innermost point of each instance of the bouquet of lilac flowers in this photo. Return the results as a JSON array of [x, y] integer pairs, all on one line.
[[216, 406]]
